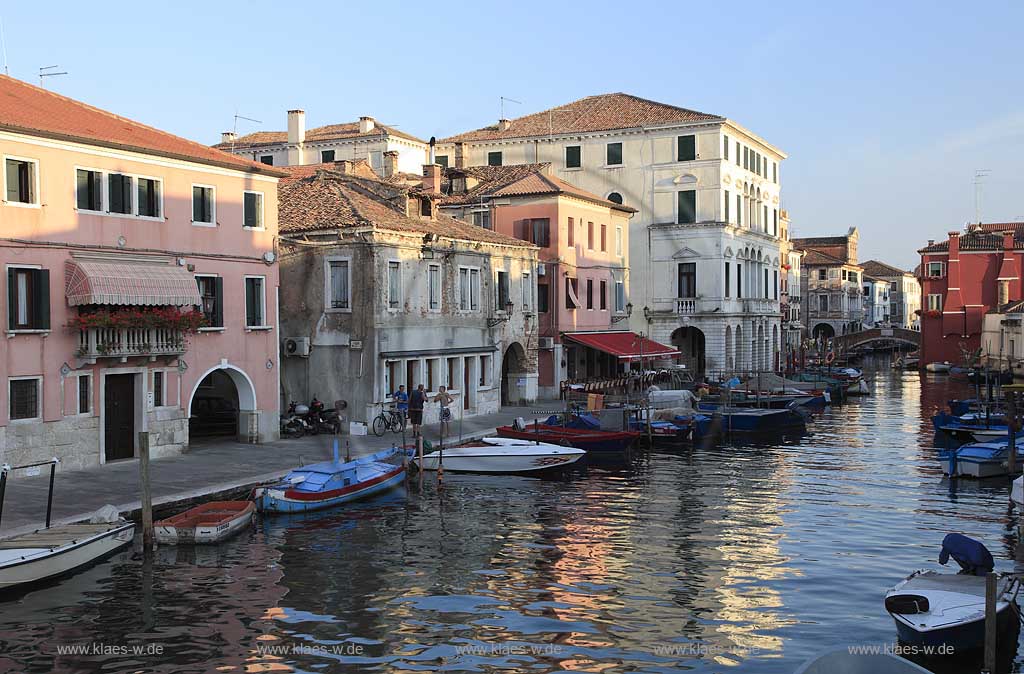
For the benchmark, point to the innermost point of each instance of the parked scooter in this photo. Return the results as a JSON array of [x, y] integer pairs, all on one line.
[[293, 423], [322, 420]]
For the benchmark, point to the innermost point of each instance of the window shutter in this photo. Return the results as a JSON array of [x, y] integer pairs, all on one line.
[[41, 299], [218, 302], [250, 302], [249, 218], [11, 294]]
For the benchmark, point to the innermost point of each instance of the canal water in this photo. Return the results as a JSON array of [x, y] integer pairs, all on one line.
[[719, 559]]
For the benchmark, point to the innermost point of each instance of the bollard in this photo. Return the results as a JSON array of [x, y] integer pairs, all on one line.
[[147, 495], [991, 580]]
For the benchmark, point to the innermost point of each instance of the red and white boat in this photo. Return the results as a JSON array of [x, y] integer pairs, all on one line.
[[210, 522], [502, 456]]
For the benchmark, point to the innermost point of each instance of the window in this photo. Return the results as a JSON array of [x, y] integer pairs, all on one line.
[[326, 156], [737, 153], [88, 190], [739, 209], [84, 394], [823, 303], [158, 389], [686, 147], [253, 210], [494, 158], [432, 368], [590, 236], [739, 280], [573, 158], [766, 284], [485, 370], [687, 279], [339, 284], [502, 288], [590, 294], [542, 297], [211, 290], [604, 296], [765, 220], [571, 233], [613, 154], [20, 179], [148, 197], [119, 191], [463, 289], [202, 205], [822, 274], [394, 284], [615, 198], [620, 297], [28, 298], [775, 172], [267, 159], [482, 219], [474, 289], [775, 221], [541, 232], [936, 269], [527, 287], [687, 207], [757, 163], [746, 158], [726, 214], [725, 148], [935, 303], [25, 398], [426, 207], [254, 302], [604, 238], [434, 287], [775, 280], [618, 241], [728, 268], [441, 160], [571, 297], [453, 365]]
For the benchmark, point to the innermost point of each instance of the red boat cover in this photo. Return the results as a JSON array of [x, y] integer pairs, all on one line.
[[623, 345]]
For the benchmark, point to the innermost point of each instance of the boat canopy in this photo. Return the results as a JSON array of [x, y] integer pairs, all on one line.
[[973, 557]]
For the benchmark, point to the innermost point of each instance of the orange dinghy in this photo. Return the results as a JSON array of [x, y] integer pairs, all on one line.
[[207, 523]]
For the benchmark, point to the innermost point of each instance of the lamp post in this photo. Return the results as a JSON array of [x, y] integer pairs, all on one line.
[[622, 317], [497, 320]]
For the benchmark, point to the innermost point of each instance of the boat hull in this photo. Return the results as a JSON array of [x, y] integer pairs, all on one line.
[[38, 564], [500, 463], [204, 526], [599, 442], [963, 637], [278, 500]]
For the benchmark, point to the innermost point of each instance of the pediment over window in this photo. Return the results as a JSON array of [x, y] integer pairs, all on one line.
[[685, 252], [728, 251], [685, 179]]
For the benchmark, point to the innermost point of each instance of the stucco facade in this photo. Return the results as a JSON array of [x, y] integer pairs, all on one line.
[[831, 290]]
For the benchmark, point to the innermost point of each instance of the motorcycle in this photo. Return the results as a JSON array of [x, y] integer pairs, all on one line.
[[322, 420], [293, 423]]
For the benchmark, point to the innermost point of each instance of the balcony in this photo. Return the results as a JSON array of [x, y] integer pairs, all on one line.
[[686, 306], [124, 343], [758, 305]]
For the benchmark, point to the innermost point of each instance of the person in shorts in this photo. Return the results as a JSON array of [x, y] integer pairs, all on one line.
[[444, 399], [416, 400]]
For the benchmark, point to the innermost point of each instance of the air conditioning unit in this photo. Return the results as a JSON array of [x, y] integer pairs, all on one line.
[[542, 269], [547, 343], [297, 346]]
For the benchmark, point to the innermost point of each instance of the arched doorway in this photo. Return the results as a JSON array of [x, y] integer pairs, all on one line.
[[823, 331], [690, 342], [221, 405], [513, 375]]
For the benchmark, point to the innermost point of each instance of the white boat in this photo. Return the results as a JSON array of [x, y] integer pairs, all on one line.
[[207, 523], [937, 367], [845, 662], [1017, 491], [55, 551], [502, 455]]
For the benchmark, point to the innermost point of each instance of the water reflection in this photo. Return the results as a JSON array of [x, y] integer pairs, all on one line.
[[749, 556]]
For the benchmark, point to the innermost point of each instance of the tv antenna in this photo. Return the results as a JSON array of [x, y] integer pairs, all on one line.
[[3, 47], [510, 100], [234, 127], [47, 71], [979, 179]]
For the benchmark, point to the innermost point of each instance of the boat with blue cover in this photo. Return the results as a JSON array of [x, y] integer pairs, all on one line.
[[933, 609], [747, 420], [979, 459], [971, 427], [331, 483]]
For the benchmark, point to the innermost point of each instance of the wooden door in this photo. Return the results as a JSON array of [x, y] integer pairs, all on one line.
[[119, 417]]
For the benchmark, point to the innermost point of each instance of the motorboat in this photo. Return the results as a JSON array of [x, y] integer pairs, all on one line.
[[331, 483], [749, 420], [591, 440], [980, 459], [938, 367], [210, 522], [501, 456], [845, 661], [933, 609]]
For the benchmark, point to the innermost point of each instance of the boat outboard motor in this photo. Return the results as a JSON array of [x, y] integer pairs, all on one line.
[[974, 559], [519, 424]]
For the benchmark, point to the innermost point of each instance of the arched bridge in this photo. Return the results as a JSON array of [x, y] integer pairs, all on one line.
[[854, 339]]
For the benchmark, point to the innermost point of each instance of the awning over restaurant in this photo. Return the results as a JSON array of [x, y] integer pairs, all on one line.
[[135, 283], [622, 345]]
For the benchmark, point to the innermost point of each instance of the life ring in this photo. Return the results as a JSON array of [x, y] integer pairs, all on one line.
[[830, 357]]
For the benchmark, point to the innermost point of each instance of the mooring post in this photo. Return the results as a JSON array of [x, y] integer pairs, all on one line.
[[991, 580], [147, 495], [49, 496], [1012, 425], [3, 486]]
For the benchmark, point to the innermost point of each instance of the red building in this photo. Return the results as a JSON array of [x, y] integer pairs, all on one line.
[[963, 278]]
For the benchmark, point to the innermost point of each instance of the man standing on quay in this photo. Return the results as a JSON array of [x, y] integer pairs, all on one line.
[[416, 400]]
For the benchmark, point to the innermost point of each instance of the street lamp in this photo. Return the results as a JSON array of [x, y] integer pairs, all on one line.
[[622, 317], [497, 320], [209, 304]]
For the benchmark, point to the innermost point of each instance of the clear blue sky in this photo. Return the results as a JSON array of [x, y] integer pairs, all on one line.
[[885, 109]]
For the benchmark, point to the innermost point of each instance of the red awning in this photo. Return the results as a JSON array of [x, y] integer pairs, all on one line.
[[623, 345], [113, 282]]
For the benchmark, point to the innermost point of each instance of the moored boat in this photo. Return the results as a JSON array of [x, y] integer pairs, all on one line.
[[591, 441], [207, 523], [844, 661], [937, 367], [331, 483], [746, 420], [58, 550], [981, 459], [501, 456]]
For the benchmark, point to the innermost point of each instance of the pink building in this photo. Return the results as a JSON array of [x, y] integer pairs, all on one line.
[[113, 235], [583, 278]]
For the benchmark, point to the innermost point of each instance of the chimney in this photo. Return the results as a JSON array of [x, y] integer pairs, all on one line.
[[296, 127], [460, 155], [931, 242], [366, 124], [228, 137], [390, 163], [432, 178], [504, 124]]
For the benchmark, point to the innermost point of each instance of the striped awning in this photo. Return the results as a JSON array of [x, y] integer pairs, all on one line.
[[129, 283]]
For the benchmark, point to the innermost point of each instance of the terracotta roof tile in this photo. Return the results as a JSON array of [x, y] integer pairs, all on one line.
[[28, 109], [594, 113], [980, 240], [881, 269], [321, 133], [820, 258], [517, 180]]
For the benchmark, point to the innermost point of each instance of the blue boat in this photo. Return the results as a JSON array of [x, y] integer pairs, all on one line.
[[979, 459], [330, 483], [745, 420], [971, 427]]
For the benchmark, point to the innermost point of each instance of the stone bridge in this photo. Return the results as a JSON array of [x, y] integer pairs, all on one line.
[[854, 339]]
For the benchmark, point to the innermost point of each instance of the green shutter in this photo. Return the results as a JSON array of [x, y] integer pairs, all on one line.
[[218, 302], [41, 299], [687, 148], [687, 207], [12, 292]]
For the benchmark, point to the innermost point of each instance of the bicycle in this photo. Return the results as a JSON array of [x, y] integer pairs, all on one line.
[[393, 420]]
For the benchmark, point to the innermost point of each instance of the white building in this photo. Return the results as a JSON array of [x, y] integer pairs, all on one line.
[[704, 245], [790, 301], [876, 302], [904, 293], [365, 139]]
